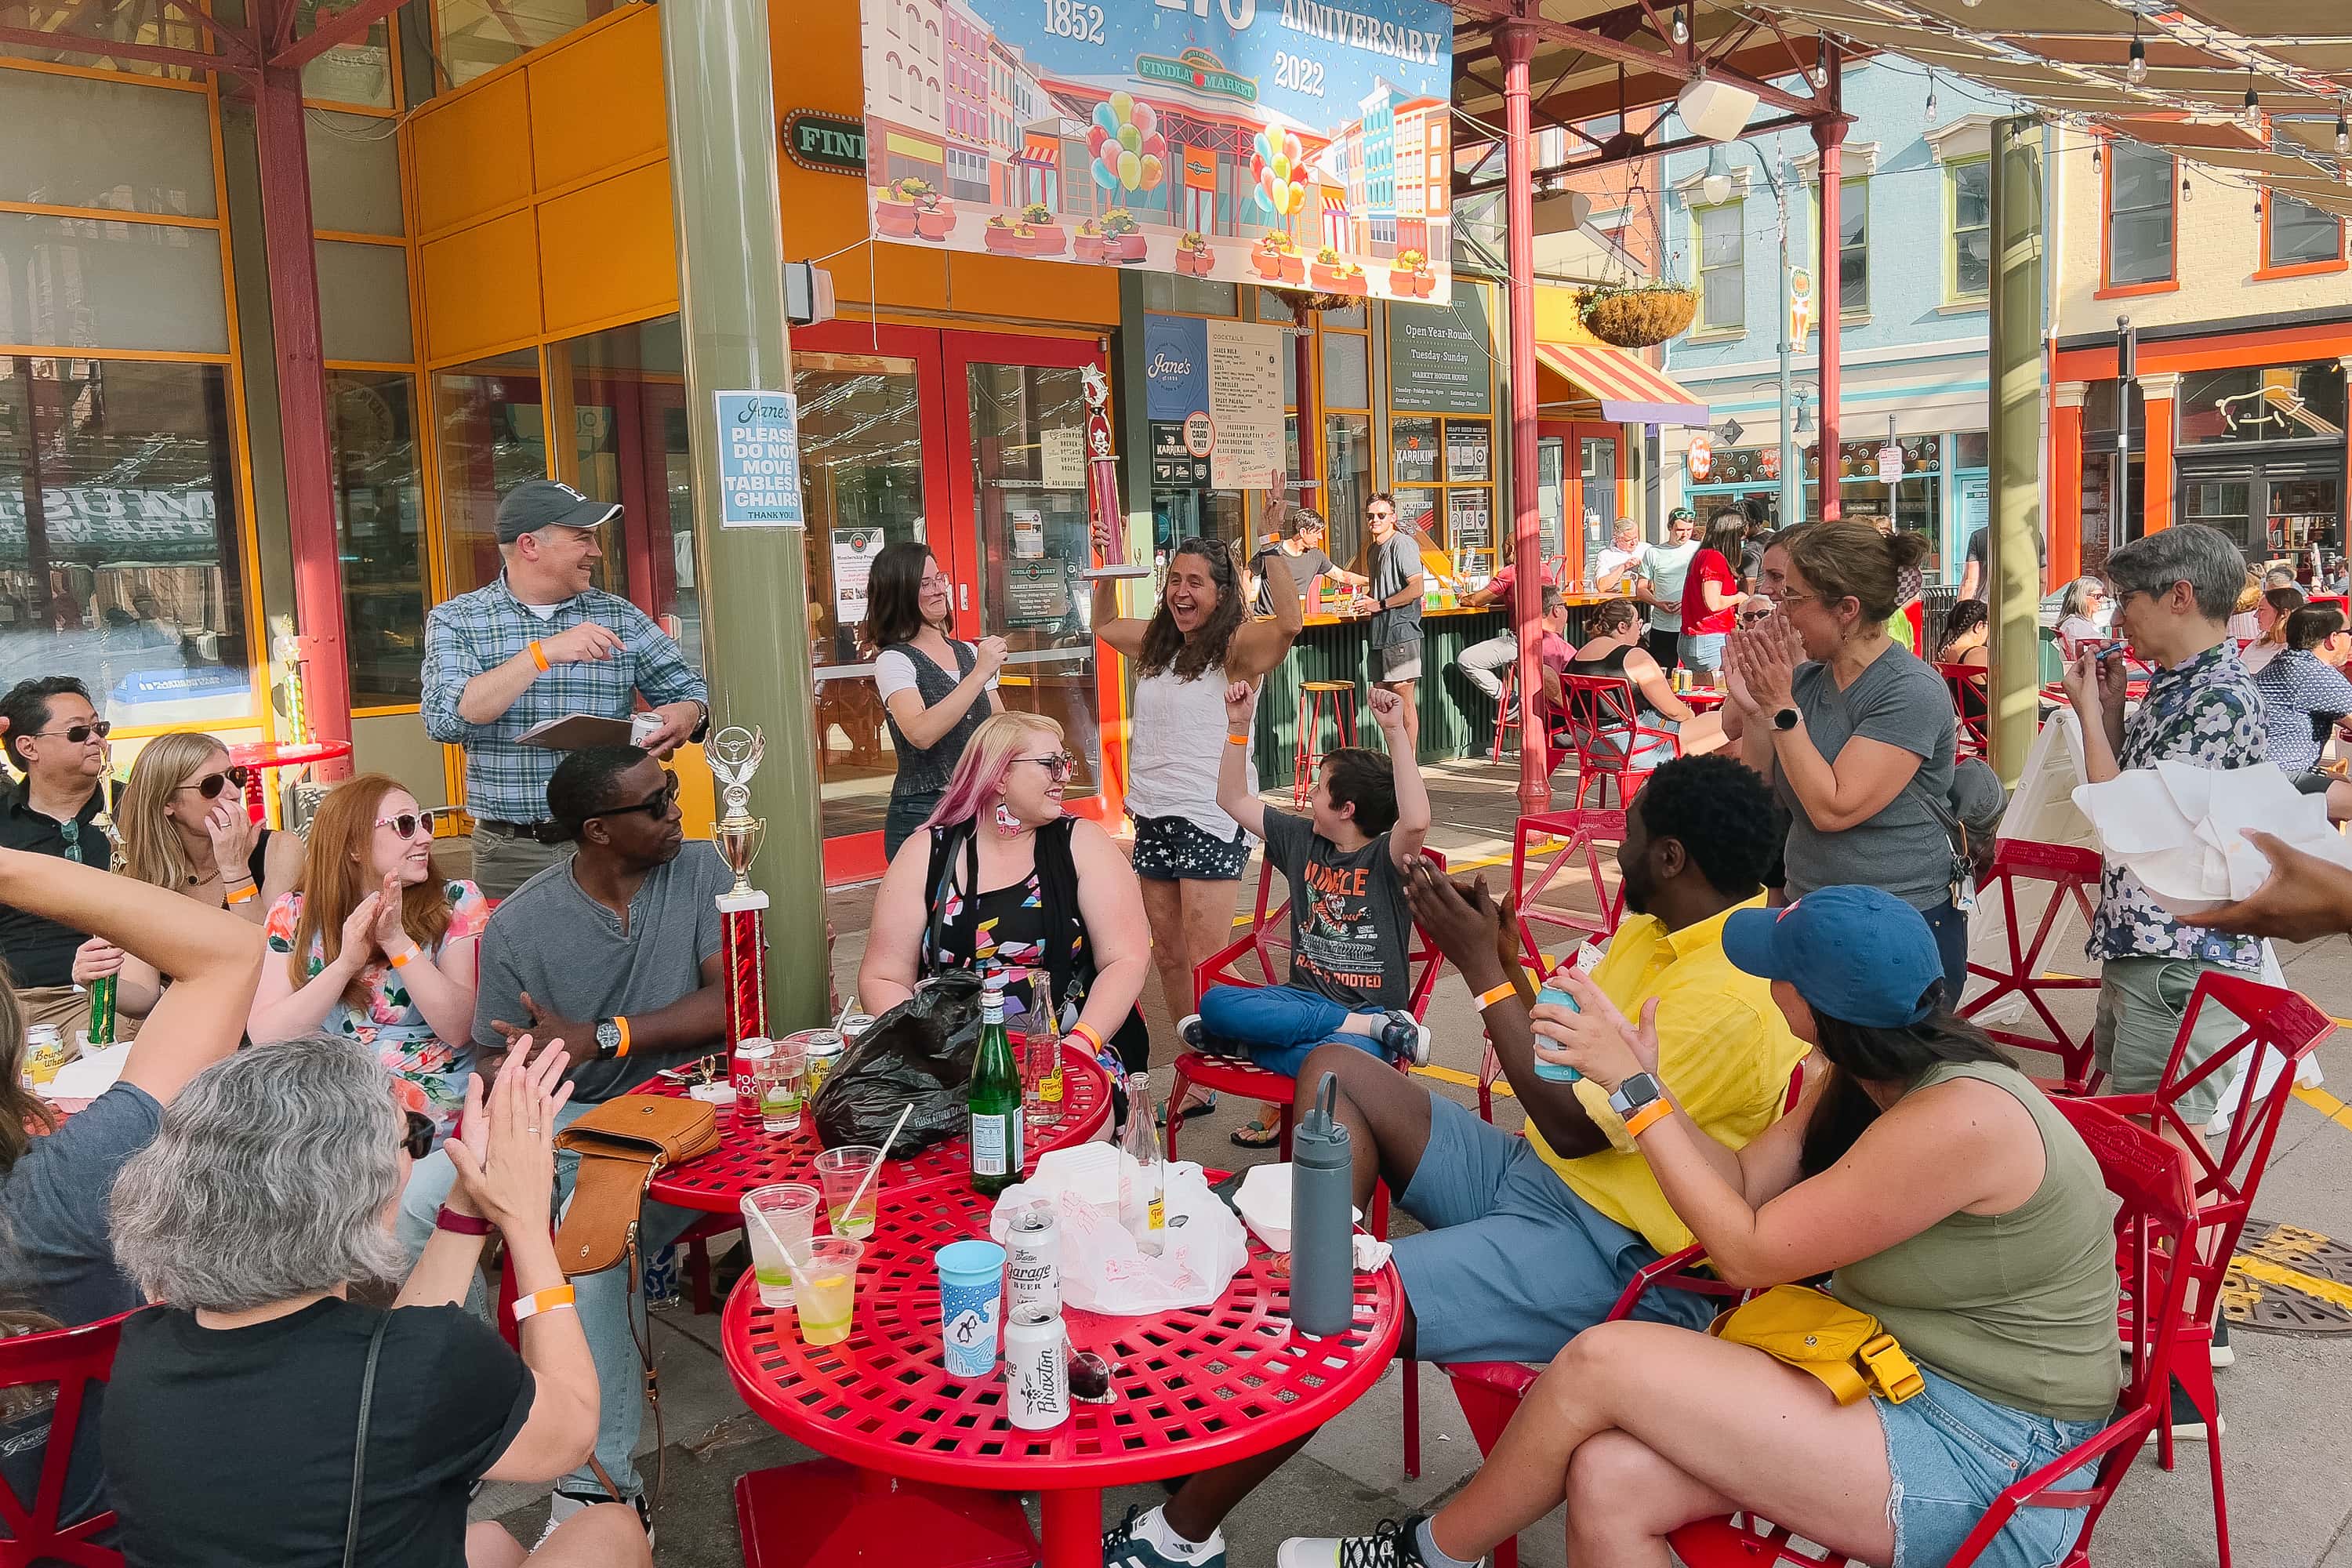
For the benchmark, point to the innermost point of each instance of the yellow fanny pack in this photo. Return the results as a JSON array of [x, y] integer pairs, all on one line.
[[1816, 1332]]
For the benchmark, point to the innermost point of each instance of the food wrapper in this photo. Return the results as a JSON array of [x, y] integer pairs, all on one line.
[[2181, 829]]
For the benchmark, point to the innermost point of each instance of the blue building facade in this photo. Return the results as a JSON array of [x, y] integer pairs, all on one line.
[[1910, 280]]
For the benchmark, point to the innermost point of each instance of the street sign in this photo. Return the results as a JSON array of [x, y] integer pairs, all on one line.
[[1700, 457], [1890, 464], [1800, 304]]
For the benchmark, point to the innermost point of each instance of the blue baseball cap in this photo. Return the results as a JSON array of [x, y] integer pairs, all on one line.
[[1859, 955]]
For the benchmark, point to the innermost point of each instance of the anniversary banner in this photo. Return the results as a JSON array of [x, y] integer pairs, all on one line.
[[1280, 141]]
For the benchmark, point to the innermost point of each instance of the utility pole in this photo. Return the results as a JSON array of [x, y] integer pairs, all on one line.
[[1793, 485]]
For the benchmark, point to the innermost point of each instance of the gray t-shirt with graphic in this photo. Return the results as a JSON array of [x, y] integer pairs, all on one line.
[[1349, 922]]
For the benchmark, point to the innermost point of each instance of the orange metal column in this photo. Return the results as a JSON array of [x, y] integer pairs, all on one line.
[[2064, 482], [2155, 478], [1516, 44]]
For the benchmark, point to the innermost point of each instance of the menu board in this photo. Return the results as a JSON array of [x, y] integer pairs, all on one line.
[[1244, 403]]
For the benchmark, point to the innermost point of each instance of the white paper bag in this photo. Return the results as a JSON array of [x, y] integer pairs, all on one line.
[[1102, 1268]]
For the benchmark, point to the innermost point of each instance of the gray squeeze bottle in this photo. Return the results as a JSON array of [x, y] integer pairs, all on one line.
[[1555, 1072], [1322, 1220]]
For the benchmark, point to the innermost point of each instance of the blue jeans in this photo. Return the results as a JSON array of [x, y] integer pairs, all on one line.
[[1950, 1452], [1951, 929], [1279, 1024], [603, 1302]]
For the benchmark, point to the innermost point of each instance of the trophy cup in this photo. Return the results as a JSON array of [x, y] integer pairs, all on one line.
[[734, 756], [1102, 480]]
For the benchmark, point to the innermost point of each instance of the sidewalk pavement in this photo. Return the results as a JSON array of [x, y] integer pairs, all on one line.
[[2290, 1490]]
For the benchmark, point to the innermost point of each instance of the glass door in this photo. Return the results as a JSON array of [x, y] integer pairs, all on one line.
[[1016, 410], [863, 447]]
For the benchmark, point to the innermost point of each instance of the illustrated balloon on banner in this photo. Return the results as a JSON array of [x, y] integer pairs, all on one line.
[[1131, 138], [1096, 137], [1105, 117], [1128, 151], [1144, 118]]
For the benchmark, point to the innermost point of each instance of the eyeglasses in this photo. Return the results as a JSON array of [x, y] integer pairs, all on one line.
[[408, 823], [938, 580], [658, 806], [211, 785], [76, 734], [1061, 764], [418, 1137]]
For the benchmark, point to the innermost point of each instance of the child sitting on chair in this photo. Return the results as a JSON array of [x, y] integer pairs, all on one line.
[[1350, 929]]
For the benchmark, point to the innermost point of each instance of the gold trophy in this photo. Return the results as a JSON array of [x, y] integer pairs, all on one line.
[[734, 755]]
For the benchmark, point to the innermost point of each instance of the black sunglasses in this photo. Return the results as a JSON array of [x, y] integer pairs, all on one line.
[[418, 1139], [211, 785], [76, 735], [658, 806]]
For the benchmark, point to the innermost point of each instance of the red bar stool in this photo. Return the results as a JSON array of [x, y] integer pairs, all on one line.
[[1507, 708], [1306, 760]]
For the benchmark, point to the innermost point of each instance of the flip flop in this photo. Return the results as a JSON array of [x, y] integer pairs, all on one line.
[[1197, 1108], [1255, 1135]]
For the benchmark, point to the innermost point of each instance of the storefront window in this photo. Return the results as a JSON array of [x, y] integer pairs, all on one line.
[[1346, 483], [84, 282], [2282, 403], [479, 36], [120, 145], [379, 531], [627, 415], [120, 546], [357, 71], [493, 436]]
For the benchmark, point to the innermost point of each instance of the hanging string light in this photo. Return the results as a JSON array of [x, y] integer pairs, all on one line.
[[2253, 112], [2137, 69], [1931, 97], [2184, 187], [1681, 29], [2343, 134]]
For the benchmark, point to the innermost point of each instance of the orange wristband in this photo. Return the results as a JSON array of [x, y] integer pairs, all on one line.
[[1488, 998], [1234, 740], [539, 657], [1649, 1116], [1086, 1032], [555, 1298], [620, 1024], [403, 960], [245, 897]]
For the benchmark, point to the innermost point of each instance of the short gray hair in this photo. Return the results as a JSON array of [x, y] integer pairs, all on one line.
[[2077, 593], [270, 1180], [2204, 558]]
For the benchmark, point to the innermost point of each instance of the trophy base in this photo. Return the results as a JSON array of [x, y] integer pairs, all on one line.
[[1098, 573], [735, 903]]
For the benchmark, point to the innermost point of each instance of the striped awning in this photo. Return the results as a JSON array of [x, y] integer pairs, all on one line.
[[1631, 392]]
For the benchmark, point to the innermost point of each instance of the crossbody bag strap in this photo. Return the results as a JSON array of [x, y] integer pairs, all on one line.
[[359, 1445]]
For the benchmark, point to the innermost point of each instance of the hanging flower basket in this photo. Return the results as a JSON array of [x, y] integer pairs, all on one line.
[[1638, 316]]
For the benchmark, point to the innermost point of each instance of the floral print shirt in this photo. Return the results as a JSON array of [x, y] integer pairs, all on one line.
[[2204, 712], [428, 1074]]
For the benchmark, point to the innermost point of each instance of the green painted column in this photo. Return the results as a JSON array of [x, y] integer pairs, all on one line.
[[753, 581], [2014, 589]]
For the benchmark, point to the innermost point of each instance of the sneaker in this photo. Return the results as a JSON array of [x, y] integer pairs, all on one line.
[[2187, 1423], [563, 1505], [1191, 1032], [1405, 1038], [1144, 1540], [1390, 1545], [2223, 1356]]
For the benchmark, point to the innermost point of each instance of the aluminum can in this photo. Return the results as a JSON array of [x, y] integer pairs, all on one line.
[[44, 1053], [855, 1025], [823, 1047], [661, 1280], [1036, 1368], [750, 1062], [1033, 1259]]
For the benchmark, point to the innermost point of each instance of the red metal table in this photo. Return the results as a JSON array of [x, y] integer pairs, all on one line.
[[1195, 1388], [262, 756], [748, 1157]]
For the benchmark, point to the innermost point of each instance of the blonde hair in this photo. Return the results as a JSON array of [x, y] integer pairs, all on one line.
[[987, 758], [339, 872], [153, 850]]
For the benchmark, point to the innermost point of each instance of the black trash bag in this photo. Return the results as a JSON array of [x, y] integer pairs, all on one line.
[[921, 1050]]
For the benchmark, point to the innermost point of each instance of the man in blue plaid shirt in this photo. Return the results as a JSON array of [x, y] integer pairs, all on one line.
[[540, 644]]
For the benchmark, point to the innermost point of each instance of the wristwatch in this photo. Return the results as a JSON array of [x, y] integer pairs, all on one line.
[[1786, 718], [1635, 1092], [608, 1039]]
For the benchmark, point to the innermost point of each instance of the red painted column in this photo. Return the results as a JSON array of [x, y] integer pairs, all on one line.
[[286, 226], [1829, 135], [1516, 43]]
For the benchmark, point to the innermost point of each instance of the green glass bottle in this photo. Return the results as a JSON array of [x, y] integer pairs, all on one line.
[[994, 1096]]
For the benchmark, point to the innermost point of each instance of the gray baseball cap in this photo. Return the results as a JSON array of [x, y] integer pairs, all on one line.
[[546, 503]]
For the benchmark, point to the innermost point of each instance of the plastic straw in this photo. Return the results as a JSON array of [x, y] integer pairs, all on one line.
[[757, 1214], [846, 1009], [875, 1169]]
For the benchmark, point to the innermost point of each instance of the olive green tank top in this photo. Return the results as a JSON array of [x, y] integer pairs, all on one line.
[[2017, 1307]]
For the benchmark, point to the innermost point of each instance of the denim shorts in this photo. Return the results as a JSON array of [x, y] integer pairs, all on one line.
[[1951, 1453], [1177, 849], [1701, 651]]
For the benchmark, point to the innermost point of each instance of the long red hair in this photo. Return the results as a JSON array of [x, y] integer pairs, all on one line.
[[340, 870]]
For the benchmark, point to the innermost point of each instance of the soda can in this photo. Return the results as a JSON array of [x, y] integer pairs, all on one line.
[[644, 727], [855, 1025], [823, 1047], [750, 1060], [44, 1053], [1033, 1247], [1036, 1368], [661, 1280]]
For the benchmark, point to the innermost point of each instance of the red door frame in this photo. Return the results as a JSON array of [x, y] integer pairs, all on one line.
[[1574, 433]]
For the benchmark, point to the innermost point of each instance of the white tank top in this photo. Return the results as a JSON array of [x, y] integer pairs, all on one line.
[[1176, 743]]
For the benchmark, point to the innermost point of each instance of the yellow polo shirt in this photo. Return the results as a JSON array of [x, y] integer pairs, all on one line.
[[1723, 1051]]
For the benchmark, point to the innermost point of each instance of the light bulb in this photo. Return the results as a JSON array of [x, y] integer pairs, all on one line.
[[1817, 76], [1931, 96], [2184, 187], [2343, 134], [1681, 29], [2258, 209], [2094, 154], [2137, 69]]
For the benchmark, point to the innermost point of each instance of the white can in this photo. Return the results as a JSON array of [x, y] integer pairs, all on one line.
[[1036, 1368], [644, 726], [1032, 1251]]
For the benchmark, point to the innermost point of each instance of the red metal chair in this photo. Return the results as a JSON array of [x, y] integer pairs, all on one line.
[[1602, 723], [1509, 715], [1579, 834], [2064, 872], [2279, 1029], [1970, 686], [71, 1359], [1305, 759], [2156, 1229]]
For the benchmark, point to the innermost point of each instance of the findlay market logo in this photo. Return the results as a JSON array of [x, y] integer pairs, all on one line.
[[1199, 69]]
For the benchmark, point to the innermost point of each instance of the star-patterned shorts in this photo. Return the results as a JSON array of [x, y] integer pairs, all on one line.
[[1177, 849]]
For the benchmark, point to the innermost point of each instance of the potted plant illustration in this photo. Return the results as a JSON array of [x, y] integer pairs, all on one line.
[[1047, 237], [1277, 259], [1328, 269], [1409, 274], [1089, 246], [898, 212], [1193, 255], [934, 218], [1123, 237], [1006, 236], [1638, 315]]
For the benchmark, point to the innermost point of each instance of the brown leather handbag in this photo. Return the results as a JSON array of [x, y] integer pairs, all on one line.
[[621, 1143]]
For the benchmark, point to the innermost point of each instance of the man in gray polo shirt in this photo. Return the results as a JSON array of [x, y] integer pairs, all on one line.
[[616, 953]]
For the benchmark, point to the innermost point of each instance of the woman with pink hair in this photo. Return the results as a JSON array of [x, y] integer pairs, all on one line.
[[999, 876]]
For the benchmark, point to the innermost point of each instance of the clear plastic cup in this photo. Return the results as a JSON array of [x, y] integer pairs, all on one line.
[[783, 1080], [789, 1209], [840, 1170], [827, 1288]]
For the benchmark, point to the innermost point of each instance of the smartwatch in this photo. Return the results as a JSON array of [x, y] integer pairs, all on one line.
[[608, 1039], [1635, 1092], [1786, 718]]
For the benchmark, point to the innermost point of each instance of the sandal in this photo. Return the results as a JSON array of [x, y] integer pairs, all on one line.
[[1190, 1109], [1255, 1135]]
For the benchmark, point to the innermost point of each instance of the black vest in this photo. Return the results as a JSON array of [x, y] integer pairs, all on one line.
[[924, 770]]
